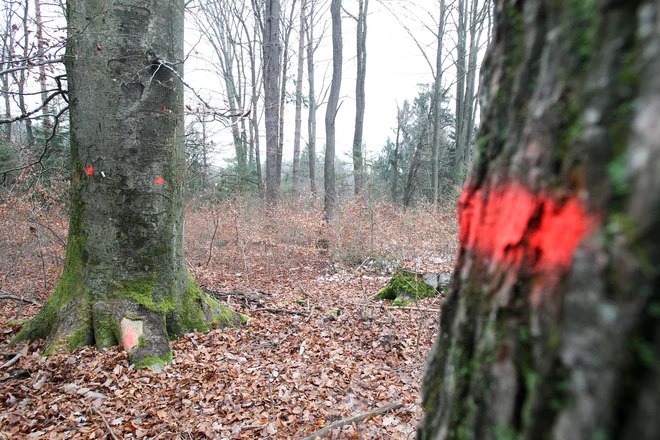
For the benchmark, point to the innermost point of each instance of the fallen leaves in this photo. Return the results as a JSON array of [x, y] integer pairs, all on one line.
[[283, 376]]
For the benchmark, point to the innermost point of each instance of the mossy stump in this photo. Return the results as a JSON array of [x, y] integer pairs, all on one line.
[[406, 286]]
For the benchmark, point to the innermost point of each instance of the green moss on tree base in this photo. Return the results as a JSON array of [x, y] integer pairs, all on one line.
[[151, 362], [142, 292]]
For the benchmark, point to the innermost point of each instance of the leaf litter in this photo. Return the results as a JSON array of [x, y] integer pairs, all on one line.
[[281, 376]]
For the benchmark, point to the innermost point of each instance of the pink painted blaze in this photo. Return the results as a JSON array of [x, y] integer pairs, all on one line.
[[129, 338], [159, 180], [513, 225], [89, 170]]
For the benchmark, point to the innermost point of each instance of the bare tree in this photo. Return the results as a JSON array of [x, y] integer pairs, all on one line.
[[437, 103], [287, 29], [361, 20], [330, 196], [272, 70], [311, 21], [221, 24], [299, 81]]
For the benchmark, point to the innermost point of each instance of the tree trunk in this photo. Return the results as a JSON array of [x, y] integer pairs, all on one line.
[[551, 329], [299, 80], [125, 278], [395, 160], [461, 37], [330, 196], [358, 172], [311, 117], [41, 44], [271, 66], [415, 163], [22, 75], [437, 102], [285, 69]]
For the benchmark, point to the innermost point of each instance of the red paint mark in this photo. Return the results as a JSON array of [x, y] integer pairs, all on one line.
[[511, 224], [159, 180], [89, 170], [180, 177], [129, 338]]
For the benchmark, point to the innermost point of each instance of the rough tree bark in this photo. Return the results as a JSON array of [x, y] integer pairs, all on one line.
[[125, 278], [552, 326], [330, 196]]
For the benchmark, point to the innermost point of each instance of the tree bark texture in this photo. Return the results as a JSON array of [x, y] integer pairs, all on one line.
[[330, 196], [125, 279], [358, 160], [271, 66], [552, 326]]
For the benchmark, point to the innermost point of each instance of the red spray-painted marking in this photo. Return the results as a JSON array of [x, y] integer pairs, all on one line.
[[159, 180], [89, 170], [129, 338], [512, 224]]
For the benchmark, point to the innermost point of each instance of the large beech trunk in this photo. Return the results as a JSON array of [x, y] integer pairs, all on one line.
[[552, 326], [125, 279]]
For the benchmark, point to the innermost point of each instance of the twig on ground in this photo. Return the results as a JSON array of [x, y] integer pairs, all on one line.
[[380, 306], [18, 298], [311, 312], [353, 419], [107, 425], [303, 290], [12, 361], [268, 309]]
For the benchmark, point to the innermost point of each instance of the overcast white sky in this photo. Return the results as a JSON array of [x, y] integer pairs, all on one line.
[[395, 67]]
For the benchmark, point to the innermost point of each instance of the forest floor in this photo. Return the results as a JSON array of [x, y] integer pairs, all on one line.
[[335, 354]]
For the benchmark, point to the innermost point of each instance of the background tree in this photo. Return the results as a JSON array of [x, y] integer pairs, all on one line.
[[358, 160], [330, 196], [312, 20], [287, 27], [271, 66], [437, 102], [220, 23], [125, 278], [299, 84], [551, 329]]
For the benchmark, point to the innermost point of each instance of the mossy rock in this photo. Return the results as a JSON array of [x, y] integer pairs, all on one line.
[[406, 286]]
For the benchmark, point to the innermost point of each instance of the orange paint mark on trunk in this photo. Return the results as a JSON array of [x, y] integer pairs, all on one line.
[[513, 225], [89, 170], [159, 180]]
